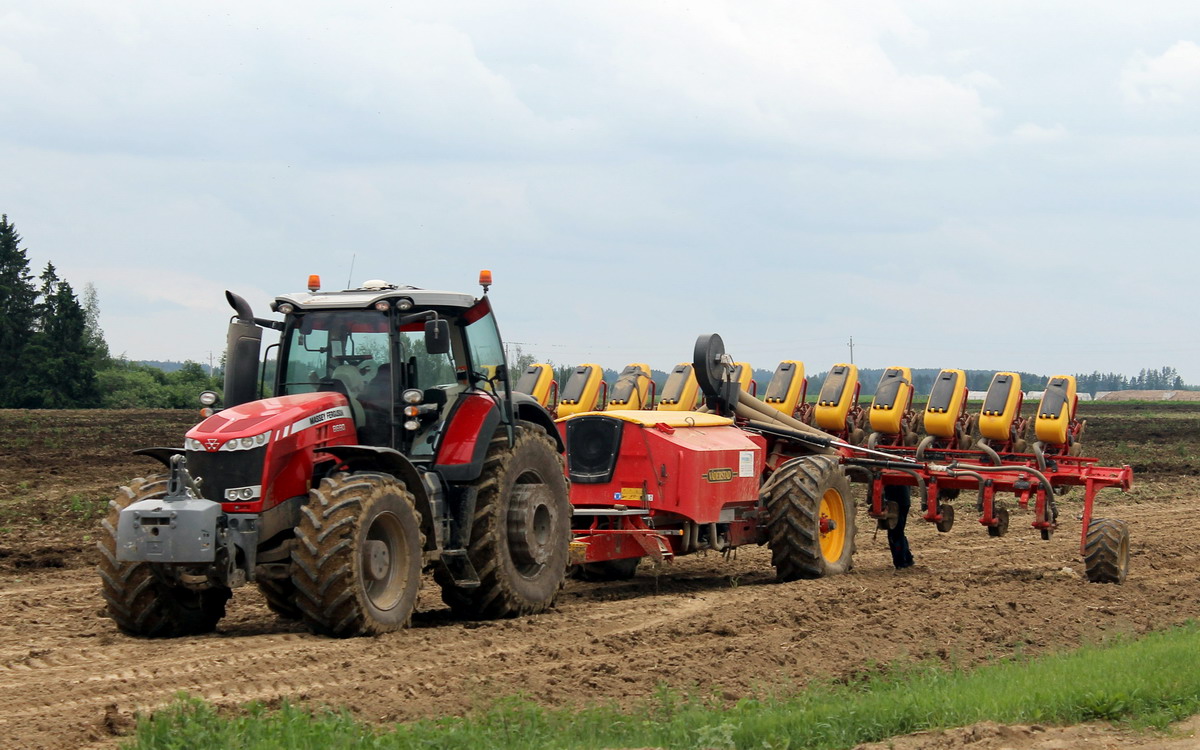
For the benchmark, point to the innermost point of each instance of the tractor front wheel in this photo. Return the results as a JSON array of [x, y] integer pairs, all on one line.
[[140, 600], [280, 594], [1106, 551], [521, 531], [356, 566], [810, 519]]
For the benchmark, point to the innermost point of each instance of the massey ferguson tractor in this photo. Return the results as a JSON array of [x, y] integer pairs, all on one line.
[[388, 442]]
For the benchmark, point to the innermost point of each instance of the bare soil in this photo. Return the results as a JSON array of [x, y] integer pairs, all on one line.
[[68, 678]]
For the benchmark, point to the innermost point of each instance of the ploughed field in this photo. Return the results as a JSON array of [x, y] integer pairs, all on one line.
[[68, 678]]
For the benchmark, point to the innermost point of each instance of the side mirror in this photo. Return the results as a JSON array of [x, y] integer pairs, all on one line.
[[437, 336]]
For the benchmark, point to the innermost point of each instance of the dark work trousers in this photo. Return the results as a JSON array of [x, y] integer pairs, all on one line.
[[897, 541]]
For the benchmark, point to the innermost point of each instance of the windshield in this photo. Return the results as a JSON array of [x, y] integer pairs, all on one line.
[[352, 347], [326, 346]]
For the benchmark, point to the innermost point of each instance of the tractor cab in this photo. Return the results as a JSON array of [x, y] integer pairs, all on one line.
[[402, 357]]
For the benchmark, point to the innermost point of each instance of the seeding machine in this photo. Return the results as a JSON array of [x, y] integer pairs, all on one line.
[[1034, 459], [389, 442]]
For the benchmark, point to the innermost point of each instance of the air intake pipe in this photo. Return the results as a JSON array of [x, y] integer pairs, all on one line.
[[242, 344]]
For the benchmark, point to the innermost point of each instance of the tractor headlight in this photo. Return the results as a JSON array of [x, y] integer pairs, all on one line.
[[208, 398], [286, 308], [382, 305], [246, 443], [412, 411], [412, 396], [412, 424], [193, 444], [404, 304]]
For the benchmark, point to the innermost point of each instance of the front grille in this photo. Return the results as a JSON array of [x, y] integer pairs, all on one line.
[[224, 469], [592, 447]]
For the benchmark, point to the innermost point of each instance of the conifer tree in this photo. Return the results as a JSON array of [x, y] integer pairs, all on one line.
[[17, 312], [95, 334], [60, 374]]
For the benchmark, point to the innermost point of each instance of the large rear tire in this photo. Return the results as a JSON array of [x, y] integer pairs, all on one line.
[[138, 599], [1106, 551], [810, 519], [521, 531], [357, 561]]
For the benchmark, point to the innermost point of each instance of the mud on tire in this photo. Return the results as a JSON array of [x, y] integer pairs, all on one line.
[[521, 530], [810, 519], [140, 601], [356, 566], [1106, 551]]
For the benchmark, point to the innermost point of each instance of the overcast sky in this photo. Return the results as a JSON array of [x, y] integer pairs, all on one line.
[[989, 184]]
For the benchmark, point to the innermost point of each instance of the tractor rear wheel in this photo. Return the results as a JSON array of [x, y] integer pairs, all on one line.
[[139, 599], [521, 531], [356, 566], [1106, 551], [810, 519]]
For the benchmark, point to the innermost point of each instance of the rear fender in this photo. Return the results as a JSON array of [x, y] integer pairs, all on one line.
[[388, 461], [529, 410], [470, 426]]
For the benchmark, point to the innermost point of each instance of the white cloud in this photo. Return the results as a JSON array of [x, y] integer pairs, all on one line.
[[296, 80], [1172, 78], [977, 79], [1033, 133]]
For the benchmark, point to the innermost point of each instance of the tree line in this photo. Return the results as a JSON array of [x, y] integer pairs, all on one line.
[[52, 349]]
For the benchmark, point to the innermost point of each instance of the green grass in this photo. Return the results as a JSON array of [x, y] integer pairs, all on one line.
[[1148, 682]]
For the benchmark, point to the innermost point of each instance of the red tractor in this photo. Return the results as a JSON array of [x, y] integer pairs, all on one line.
[[388, 442]]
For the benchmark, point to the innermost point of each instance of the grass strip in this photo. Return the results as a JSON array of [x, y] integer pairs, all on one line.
[[1146, 682]]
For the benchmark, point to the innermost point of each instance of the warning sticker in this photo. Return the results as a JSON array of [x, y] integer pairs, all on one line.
[[745, 463]]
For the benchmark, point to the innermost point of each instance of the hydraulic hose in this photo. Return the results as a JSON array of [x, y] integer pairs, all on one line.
[[1039, 455], [1040, 476], [983, 446]]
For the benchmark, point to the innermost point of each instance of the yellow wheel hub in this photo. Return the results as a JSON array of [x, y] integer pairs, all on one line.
[[832, 525]]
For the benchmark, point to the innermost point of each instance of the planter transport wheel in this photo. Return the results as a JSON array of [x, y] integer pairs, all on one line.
[[810, 518], [1106, 551]]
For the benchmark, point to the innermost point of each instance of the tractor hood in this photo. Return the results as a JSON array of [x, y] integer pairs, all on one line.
[[270, 445], [258, 422]]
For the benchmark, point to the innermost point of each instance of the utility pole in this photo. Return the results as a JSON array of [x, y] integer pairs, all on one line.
[[851, 350]]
